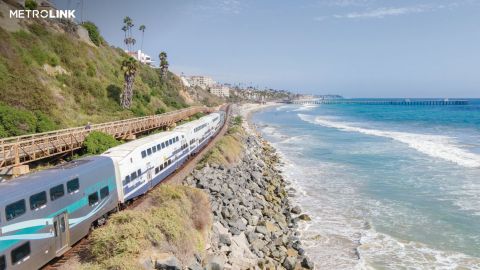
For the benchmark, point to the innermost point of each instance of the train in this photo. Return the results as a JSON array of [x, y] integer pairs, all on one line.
[[43, 214]]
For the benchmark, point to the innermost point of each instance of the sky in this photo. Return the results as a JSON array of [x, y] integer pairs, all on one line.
[[356, 48]]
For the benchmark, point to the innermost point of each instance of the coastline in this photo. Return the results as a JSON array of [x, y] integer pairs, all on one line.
[[255, 224]]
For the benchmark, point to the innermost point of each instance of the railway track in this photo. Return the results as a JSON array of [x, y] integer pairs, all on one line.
[[81, 247]]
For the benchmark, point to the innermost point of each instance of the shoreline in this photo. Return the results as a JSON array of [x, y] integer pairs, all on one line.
[[255, 224]]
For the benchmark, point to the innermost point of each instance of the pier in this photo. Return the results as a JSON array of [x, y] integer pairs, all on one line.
[[404, 102]]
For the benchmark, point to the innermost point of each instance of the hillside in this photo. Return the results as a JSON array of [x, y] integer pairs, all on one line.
[[53, 76]]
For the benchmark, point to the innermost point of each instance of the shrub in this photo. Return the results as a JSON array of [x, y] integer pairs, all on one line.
[[16, 122], [93, 32], [44, 123], [98, 142], [31, 4]]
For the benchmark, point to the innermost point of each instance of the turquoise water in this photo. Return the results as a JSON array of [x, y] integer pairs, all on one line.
[[388, 187]]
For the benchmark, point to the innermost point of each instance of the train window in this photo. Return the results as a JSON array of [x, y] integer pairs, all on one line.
[[15, 209], [169, 162], [154, 149], [157, 170], [161, 167], [73, 185], [20, 253], [127, 180], [144, 154], [139, 171], [93, 198], [165, 164], [104, 192], [163, 145], [149, 151], [176, 139], [166, 144], [3, 264], [38, 200], [170, 141], [133, 176], [56, 192], [159, 147]]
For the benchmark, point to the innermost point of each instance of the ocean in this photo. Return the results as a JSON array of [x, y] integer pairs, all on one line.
[[386, 186]]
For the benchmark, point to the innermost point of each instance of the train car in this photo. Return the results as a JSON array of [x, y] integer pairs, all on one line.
[[199, 131], [142, 164], [43, 214]]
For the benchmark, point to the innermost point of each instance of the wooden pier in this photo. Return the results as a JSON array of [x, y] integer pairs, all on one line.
[[404, 102], [17, 152]]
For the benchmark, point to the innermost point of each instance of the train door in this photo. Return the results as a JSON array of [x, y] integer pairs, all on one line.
[[149, 174], [62, 235]]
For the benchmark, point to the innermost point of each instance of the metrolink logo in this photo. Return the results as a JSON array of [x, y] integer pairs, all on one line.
[[43, 14]]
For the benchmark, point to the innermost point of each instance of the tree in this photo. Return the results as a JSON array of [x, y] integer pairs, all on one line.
[[31, 4], [163, 64], [129, 40], [98, 142], [142, 28], [93, 32], [129, 68], [124, 29]]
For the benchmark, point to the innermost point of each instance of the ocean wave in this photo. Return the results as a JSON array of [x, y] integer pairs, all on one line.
[[386, 252], [306, 107], [437, 146]]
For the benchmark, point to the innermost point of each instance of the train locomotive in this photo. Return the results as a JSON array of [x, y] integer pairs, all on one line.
[[43, 214]]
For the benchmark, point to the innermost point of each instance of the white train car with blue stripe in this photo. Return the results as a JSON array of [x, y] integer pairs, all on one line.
[[142, 164], [44, 213]]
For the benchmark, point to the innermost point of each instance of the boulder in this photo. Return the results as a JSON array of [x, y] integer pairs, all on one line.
[[215, 262], [261, 229], [289, 263], [304, 217], [296, 210], [224, 239], [306, 263], [165, 261]]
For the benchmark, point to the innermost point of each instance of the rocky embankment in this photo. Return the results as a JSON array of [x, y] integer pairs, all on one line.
[[254, 224]]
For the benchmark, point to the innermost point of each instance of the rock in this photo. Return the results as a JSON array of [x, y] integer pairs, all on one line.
[[195, 266], [215, 263], [304, 217], [257, 244], [270, 227], [296, 210], [289, 263], [306, 263], [292, 252], [225, 239], [165, 261], [261, 229]]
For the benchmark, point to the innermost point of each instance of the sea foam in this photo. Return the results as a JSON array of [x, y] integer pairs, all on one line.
[[437, 146]]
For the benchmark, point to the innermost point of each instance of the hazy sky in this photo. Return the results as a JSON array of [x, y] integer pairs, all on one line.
[[357, 48]]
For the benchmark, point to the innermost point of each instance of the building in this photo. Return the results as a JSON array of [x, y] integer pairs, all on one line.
[[201, 81], [220, 90], [141, 57]]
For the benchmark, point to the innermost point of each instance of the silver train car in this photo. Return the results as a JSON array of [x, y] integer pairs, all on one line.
[[43, 214]]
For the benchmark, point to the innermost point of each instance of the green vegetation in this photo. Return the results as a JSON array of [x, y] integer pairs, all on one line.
[[98, 142], [93, 33], [129, 68], [31, 4], [177, 220], [15, 122], [229, 148], [43, 69]]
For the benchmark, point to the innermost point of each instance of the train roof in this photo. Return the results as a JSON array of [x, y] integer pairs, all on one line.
[[195, 123], [125, 149], [45, 179]]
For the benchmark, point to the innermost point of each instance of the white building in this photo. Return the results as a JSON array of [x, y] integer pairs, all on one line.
[[220, 90], [142, 57], [201, 81]]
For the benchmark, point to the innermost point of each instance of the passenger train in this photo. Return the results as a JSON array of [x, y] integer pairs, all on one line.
[[43, 214]]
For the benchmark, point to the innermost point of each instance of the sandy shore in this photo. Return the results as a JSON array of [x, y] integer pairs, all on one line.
[[247, 110]]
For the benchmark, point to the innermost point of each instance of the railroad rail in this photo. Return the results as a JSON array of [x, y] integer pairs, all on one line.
[[82, 246], [21, 150], [405, 102]]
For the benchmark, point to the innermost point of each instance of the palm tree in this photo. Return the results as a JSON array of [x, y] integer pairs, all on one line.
[[142, 28], [124, 29], [129, 68], [163, 64], [128, 24]]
